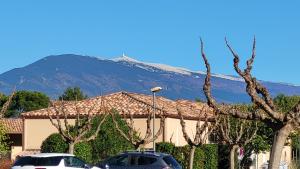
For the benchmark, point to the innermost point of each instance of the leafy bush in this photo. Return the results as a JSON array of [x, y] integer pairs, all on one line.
[[4, 147], [54, 144], [206, 156], [109, 142], [210, 156], [83, 150], [165, 147]]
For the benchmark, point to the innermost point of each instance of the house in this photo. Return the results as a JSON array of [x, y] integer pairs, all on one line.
[[37, 126], [14, 129]]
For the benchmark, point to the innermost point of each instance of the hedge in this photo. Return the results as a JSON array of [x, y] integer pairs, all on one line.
[[206, 156], [54, 144]]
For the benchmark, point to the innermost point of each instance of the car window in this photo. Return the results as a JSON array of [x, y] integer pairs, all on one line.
[[73, 162], [171, 161], [142, 160], [48, 161], [38, 161], [119, 161], [22, 161]]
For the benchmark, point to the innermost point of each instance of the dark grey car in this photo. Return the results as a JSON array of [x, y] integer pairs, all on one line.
[[140, 160]]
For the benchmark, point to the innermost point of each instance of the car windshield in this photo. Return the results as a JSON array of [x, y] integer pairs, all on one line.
[[38, 161], [171, 162]]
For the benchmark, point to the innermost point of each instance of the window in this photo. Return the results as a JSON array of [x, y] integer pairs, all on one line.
[[24, 161], [48, 161], [142, 160], [119, 161], [73, 162], [38, 161], [146, 160]]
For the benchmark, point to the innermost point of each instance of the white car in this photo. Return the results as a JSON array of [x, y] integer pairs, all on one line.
[[51, 161]]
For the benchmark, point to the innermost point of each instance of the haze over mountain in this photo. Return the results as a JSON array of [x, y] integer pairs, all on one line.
[[53, 74]]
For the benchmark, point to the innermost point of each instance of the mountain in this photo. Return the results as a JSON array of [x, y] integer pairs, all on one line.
[[53, 74]]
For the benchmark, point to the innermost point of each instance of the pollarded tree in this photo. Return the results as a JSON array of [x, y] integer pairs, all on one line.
[[236, 133], [133, 135], [282, 123], [203, 129], [81, 130]]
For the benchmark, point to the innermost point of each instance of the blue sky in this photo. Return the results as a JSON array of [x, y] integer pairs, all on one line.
[[165, 31]]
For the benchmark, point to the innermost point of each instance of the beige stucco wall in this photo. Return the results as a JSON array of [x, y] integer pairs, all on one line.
[[15, 150], [36, 131], [140, 125], [262, 158], [174, 131]]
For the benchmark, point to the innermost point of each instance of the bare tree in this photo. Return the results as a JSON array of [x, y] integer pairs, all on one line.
[[79, 132], [282, 123], [133, 135], [235, 133], [203, 129]]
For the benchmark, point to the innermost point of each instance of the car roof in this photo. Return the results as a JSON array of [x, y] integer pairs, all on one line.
[[51, 154], [150, 153]]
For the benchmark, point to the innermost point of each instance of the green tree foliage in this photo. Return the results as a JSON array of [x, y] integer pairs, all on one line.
[[54, 144], [24, 101], [206, 156], [3, 140], [83, 150], [286, 103], [109, 142], [74, 93]]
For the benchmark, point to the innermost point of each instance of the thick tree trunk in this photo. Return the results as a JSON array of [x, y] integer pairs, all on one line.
[[233, 150], [71, 148], [191, 159], [277, 147]]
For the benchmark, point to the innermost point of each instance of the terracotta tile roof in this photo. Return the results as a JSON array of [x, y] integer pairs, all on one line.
[[128, 103], [13, 126]]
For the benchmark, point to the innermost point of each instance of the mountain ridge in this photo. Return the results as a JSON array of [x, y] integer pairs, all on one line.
[[96, 76]]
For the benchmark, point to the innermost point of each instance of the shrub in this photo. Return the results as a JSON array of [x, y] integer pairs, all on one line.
[[4, 147], [206, 156], [83, 150], [165, 147], [109, 142], [54, 144], [211, 156]]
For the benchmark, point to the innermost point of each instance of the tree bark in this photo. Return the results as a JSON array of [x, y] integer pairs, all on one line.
[[192, 154], [278, 144], [71, 148], [233, 150]]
